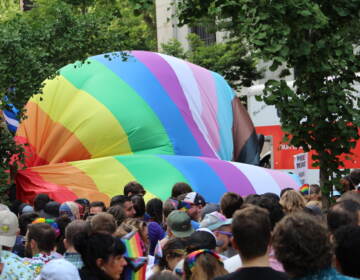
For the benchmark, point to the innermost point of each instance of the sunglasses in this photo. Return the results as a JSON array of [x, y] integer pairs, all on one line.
[[229, 234]]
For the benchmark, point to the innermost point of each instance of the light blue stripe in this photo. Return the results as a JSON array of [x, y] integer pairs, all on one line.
[[225, 116]]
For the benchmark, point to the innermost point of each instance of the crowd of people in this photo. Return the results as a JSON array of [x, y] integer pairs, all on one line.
[[290, 236]]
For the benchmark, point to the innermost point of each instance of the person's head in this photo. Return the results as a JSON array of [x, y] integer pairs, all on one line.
[[315, 192], [346, 212], [169, 206], [59, 269], [126, 203], [347, 250], [134, 188], [251, 198], [103, 222], [40, 237], [164, 275], [283, 191], [301, 244], [96, 207], [173, 252], [229, 203], [251, 230], [9, 227], [70, 209], [25, 220], [141, 227], [273, 196], [192, 203], [273, 206], [139, 206], [349, 182], [102, 254], [72, 229], [179, 224], [203, 264], [154, 208], [180, 188], [51, 210], [118, 213], [25, 208], [292, 201], [202, 238], [351, 195], [40, 201], [209, 208], [221, 227], [84, 207], [62, 223]]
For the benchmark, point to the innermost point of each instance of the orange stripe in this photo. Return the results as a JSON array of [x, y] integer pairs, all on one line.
[[52, 141], [74, 179]]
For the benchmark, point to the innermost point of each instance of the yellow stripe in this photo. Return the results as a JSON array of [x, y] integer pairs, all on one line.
[[109, 175], [83, 115]]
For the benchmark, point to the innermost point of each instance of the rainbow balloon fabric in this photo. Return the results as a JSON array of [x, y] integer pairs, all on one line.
[[149, 117]]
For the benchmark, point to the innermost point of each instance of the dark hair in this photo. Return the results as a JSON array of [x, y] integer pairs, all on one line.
[[275, 210], [118, 213], [26, 219], [134, 188], [44, 235], [283, 191], [351, 195], [62, 222], [251, 229], [52, 208], [103, 222], [273, 196], [229, 203], [83, 201], [302, 244], [174, 248], [164, 275], [17, 206], [343, 213], [251, 198], [40, 201], [169, 206], [97, 245], [315, 189], [180, 188], [119, 200], [74, 228], [154, 208], [139, 205], [347, 250], [98, 204]]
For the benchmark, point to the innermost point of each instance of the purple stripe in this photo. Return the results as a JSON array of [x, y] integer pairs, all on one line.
[[234, 180], [207, 88], [168, 79]]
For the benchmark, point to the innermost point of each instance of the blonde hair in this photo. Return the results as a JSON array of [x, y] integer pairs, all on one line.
[[292, 201], [206, 267]]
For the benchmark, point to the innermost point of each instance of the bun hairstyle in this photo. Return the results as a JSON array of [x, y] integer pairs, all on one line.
[[97, 245]]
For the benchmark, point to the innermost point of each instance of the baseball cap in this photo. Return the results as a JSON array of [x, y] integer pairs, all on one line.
[[9, 227], [214, 220], [71, 209], [180, 223], [202, 238], [59, 269], [194, 198]]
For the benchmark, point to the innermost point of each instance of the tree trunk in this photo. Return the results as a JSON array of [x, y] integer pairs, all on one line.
[[325, 191]]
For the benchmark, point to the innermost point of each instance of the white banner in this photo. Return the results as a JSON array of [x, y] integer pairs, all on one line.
[[301, 166]]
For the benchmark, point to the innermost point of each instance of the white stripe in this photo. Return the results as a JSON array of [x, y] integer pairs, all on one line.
[[259, 178], [192, 94], [11, 121]]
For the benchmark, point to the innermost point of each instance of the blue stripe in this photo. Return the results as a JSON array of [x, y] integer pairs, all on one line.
[[139, 77], [200, 176], [224, 116]]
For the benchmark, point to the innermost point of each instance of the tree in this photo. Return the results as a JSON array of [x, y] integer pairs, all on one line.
[[36, 43], [317, 39], [230, 59]]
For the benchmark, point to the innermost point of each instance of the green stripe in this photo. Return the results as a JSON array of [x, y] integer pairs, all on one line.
[[155, 174], [143, 127]]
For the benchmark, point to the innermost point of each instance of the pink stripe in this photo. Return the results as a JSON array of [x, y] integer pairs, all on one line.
[[282, 179], [168, 79], [207, 88]]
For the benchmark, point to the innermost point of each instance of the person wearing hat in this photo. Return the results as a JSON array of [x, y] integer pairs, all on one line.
[[59, 269], [12, 265], [221, 227], [179, 225], [192, 203]]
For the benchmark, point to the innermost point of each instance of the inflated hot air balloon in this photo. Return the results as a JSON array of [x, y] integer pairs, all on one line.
[[149, 117]]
